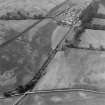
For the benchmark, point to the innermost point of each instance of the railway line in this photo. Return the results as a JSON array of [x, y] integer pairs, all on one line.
[[77, 22]]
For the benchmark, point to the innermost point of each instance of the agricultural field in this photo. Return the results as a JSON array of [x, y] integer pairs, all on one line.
[[72, 68]]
